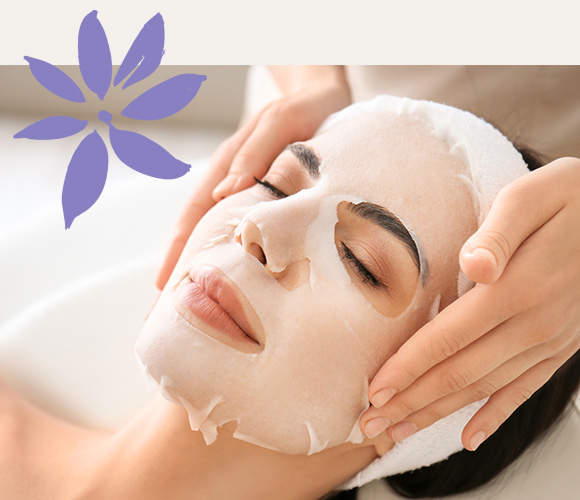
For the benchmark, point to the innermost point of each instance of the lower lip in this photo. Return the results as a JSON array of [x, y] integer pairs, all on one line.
[[202, 306]]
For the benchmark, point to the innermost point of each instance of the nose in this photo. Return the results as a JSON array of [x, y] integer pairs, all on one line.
[[281, 253], [275, 233]]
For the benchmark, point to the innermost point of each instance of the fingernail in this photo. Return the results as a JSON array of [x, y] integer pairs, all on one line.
[[484, 253], [403, 431], [381, 397], [476, 440], [375, 426], [480, 254], [225, 187]]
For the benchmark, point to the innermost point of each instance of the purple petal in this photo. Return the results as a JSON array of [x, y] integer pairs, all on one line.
[[85, 177], [95, 55], [165, 99], [53, 127], [145, 53], [145, 156], [55, 80]]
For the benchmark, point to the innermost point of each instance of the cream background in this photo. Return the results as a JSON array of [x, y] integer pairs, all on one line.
[[326, 31]]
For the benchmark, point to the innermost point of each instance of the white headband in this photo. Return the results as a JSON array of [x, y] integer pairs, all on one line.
[[494, 162]]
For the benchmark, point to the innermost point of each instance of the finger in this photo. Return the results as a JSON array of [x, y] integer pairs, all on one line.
[[504, 402], [517, 380], [499, 378], [458, 325], [471, 364], [274, 131], [427, 410], [224, 157], [519, 210], [528, 338]]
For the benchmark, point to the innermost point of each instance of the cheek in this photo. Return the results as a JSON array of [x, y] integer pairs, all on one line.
[[332, 338], [376, 336], [217, 226], [321, 365]]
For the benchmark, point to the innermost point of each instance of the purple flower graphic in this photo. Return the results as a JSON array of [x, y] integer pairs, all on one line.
[[87, 170]]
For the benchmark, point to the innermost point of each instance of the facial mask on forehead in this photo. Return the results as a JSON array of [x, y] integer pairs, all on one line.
[[492, 159]]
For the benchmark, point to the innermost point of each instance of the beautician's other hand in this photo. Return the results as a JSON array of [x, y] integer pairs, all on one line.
[[508, 335], [311, 94]]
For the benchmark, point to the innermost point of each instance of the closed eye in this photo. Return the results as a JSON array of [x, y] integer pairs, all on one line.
[[271, 188], [365, 275]]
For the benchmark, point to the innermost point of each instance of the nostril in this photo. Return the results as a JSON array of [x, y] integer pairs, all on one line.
[[256, 251], [249, 237]]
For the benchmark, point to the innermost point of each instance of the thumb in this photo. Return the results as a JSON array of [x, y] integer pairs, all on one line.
[[519, 210], [484, 256]]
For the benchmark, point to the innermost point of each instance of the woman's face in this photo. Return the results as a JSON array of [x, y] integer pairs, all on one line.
[[349, 247]]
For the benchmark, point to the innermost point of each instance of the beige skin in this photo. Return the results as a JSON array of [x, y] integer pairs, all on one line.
[[156, 455]]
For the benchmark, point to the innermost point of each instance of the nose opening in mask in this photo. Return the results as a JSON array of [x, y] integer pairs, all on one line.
[[250, 238]]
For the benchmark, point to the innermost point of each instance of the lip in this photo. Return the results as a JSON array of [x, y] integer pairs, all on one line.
[[210, 302]]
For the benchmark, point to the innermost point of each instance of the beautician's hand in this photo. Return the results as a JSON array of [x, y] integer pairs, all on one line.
[[509, 334], [311, 94]]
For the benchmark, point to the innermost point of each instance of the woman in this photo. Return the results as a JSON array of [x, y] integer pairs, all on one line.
[[284, 304], [524, 103]]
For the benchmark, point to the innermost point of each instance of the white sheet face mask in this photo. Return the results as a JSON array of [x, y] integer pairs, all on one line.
[[324, 327]]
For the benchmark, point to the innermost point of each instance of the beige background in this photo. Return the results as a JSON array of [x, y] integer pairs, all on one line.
[[218, 102]]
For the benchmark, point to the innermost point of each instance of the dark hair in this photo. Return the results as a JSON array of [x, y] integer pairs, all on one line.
[[468, 470]]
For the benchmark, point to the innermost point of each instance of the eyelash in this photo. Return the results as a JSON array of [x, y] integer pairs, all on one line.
[[346, 254], [271, 188], [366, 276]]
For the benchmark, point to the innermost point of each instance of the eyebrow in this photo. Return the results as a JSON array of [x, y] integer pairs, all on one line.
[[388, 221], [307, 158]]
